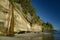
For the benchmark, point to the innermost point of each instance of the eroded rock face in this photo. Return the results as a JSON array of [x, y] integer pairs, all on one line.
[[36, 28], [4, 3], [20, 23], [3, 12]]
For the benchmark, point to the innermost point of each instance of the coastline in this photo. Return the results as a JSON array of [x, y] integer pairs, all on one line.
[[25, 36], [33, 36]]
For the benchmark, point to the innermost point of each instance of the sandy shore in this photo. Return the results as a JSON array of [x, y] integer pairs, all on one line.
[[26, 36]]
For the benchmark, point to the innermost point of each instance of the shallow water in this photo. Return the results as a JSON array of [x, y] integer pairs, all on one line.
[[57, 35], [52, 36]]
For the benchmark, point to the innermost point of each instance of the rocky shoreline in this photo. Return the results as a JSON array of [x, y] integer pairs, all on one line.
[[26, 36]]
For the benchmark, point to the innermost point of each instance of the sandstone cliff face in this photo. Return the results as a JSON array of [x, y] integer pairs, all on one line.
[[20, 22], [36, 28]]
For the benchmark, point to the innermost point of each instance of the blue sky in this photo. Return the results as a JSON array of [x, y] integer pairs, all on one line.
[[49, 11]]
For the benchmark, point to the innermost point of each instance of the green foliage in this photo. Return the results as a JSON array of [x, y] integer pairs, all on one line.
[[50, 27], [27, 7], [47, 26]]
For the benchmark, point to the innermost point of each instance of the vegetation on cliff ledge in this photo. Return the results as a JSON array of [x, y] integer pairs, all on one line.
[[27, 7], [47, 27]]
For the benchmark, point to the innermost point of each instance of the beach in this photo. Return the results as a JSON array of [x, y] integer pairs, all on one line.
[[33, 36], [26, 36]]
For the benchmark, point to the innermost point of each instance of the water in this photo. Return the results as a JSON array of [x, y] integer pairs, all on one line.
[[34, 36], [57, 35], [53, 36]]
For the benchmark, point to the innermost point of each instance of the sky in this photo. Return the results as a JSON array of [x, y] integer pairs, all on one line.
[[48, 11]]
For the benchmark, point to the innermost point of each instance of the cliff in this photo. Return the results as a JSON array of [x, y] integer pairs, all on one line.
[[25, 17]]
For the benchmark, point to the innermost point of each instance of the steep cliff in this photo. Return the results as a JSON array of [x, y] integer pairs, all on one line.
[[25, 17]]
